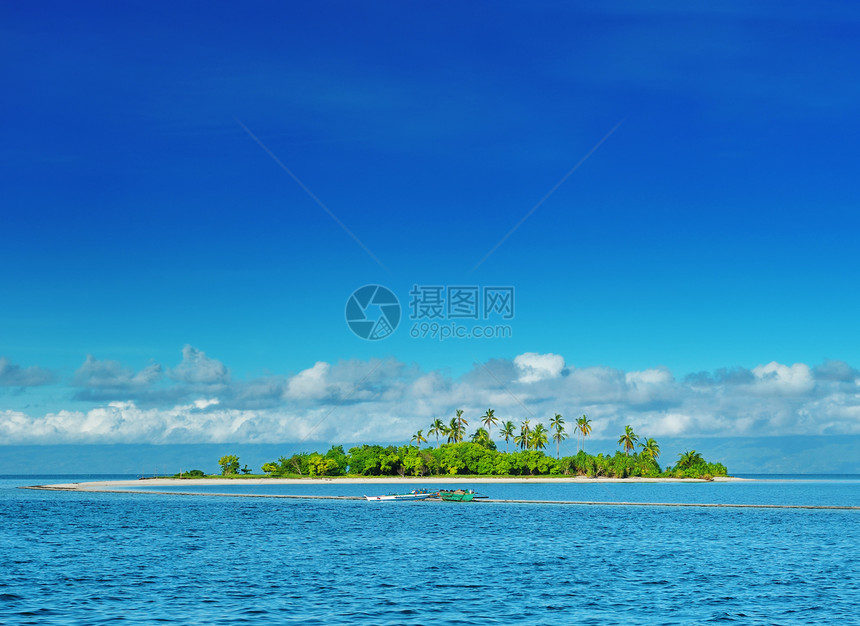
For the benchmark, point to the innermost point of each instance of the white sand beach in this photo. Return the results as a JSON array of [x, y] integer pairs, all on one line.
[[366, 480]]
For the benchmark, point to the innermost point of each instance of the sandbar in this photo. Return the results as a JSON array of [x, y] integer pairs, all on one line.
[[370, 480]]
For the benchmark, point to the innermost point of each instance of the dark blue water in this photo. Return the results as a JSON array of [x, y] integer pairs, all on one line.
[[90, 558]]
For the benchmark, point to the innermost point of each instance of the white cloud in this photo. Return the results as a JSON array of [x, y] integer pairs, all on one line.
[[534, 367], [777, 378], [124, 422], [386, 400], [12, 375], [311, 383], [95, 374], [429, 385], [197, 368], [649, 386], [203, 404], [669, 424], [645, 378]]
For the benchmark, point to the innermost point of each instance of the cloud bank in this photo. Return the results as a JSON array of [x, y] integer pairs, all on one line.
[[12, 375], [198, 401]]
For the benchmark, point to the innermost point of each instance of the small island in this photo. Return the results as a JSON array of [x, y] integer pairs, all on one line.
[[480, 456]]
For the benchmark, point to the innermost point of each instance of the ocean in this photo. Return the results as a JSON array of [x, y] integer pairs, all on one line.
[[93, 558]]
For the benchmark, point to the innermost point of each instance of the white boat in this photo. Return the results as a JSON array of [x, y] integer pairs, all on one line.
[[417, 494]]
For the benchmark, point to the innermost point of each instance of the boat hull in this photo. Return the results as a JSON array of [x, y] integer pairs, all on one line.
[[398, 497], [457, 496]]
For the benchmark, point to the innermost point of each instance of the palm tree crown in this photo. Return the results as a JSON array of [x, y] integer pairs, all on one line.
[[538, 439], [559, 435], [453, 431], [418, 438], [628, 439], [522, 440], [689, 458], [507, 432], [651, 448], [583, 425], [489, 420], [461, 425], [437, 428], [482, 437]]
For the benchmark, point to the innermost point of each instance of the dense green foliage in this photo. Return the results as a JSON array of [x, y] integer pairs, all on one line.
[[475, 459], [479, 456], [229, 464], [195, 473], [335, 462]]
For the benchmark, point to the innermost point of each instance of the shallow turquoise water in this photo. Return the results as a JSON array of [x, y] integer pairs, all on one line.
[[73, 558], [823, 491]]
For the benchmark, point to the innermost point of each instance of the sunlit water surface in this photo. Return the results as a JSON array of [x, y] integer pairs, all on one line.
[[90, 558]]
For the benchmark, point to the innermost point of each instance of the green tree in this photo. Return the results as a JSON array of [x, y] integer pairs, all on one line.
[[453, 431], [482, 438], [299, 464], [489, 420], [413, 462], [229, 464], [461, 425], [418, 438], [628, 440], [451, 462], [390, 462], [319, 465], [522, 440], [437, 428], [650, 448], [583, 425], [557, 423], [365, 460], [340, 458], [538, 439], [507, 432], [195, 473], [284, 467], [688, 459], [270, 468]]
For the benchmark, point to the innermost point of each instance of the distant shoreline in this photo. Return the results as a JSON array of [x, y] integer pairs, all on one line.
[[370, 480]]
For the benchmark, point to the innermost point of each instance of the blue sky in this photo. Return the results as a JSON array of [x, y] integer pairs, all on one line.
[[715, 230]]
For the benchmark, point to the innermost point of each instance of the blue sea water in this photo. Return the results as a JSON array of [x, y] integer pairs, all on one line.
[[92, 558]]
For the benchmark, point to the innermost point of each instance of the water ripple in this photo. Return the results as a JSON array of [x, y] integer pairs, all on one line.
[[103, 558]]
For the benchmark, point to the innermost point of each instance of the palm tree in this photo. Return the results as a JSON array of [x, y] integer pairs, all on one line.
[[522, 440], [482, 437], [651, 448], [507, 432], [559, 435], [689, 459], [538, 440], [418, 438], [490, 420], [437, 428], [453, 431], [628, 439], [461, 425], [584, 426]]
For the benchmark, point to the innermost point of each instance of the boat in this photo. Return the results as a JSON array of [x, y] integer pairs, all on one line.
[[415, 494], [457, 495]]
